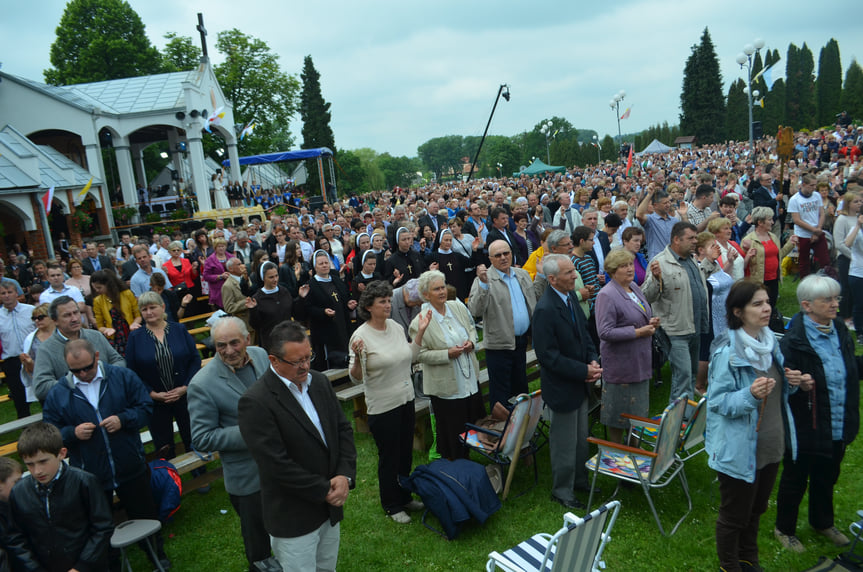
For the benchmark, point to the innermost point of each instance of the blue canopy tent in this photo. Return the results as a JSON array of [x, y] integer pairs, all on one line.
[[300, 155]]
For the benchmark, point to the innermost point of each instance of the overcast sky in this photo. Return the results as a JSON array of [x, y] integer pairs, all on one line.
[[400, 73]]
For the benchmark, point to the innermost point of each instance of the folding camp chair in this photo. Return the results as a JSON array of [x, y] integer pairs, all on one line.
[[650, 469], [577, 547], [691, 433], [519, 438]]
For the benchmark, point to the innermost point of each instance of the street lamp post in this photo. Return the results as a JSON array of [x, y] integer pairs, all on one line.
[[546, 130], [615, 105], [744, 59], [502, 91], [598, 149]]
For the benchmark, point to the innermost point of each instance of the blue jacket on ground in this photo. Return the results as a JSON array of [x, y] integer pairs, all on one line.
[[113, 458], [454, 491], [732, 411]]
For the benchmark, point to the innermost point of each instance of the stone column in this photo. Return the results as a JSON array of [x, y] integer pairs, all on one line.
[[127, 178], [198, 177], [97, 169], [140, 171], [234, 157]]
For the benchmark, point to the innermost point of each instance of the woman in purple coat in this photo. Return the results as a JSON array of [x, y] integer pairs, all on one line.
[[625, 324], [215, 271]]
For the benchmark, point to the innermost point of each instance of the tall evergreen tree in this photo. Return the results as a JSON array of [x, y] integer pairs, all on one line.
[[702, 104], [736, 112], [315, 113], [774, 108], [98, 40], [808, 110], [829, 83], [852, 92], [760, 85], [792, 87]]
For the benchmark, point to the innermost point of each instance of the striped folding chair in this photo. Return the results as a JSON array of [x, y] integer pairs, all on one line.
[[577, 547]]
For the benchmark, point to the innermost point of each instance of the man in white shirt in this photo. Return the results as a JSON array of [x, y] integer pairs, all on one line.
[[15, 326], [807, 212], [566, 218], [58, 288]]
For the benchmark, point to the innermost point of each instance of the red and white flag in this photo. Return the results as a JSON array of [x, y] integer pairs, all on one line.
[[626, 113], [47, 199]]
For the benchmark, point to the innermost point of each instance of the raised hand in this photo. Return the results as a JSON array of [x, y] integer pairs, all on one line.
[[304, 290], [482, 273], [251, 303], [655, 269], [397, 276]]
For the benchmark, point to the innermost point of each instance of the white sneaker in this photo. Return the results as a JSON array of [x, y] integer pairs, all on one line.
[[401, 517]]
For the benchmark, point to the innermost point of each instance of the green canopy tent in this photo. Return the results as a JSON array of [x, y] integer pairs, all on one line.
[[538, 168]]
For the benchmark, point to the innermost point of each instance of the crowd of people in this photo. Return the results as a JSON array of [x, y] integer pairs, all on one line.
[[605, 272]]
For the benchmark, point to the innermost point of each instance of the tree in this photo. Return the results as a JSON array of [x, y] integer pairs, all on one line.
[[261, 92], [315, 113], [808, 109], [442, 155], [398, 171], [852, 92], [352, 176], [736, 112], [828, 86], [98, 40], [701, 102], [774, 108], [180, 53]]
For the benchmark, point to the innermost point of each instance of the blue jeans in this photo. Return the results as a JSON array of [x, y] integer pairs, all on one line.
[[683, 357]]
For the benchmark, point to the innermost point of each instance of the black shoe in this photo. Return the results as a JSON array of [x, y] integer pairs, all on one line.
[[572, 504], [586, 490], [747, 566]]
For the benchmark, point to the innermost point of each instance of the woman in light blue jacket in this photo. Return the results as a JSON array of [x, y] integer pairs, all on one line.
[[748, 426]]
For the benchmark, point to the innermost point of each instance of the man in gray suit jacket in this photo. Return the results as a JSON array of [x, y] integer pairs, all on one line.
[[214, 393]]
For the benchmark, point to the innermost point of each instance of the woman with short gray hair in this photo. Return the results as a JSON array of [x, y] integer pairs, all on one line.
[[826, 417], [449, 364]]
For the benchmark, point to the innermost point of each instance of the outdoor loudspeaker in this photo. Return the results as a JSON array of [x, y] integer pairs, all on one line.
[[757, 130]]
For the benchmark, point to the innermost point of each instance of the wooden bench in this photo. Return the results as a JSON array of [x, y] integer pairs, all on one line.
[[13, 426], [355, 393]]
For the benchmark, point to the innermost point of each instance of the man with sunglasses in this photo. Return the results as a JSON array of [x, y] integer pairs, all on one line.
[[15, 326], [213, 396], [100, 410], [303, 444], [50, 364], [503, 295]]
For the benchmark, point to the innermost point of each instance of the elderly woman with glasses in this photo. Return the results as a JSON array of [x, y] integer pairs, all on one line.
[[179, 269], [763, 253], [381, 358], [44, 329], [826, 417]]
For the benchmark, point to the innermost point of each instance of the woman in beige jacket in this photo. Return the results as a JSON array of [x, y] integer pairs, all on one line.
[[449, 364], [763, 254]]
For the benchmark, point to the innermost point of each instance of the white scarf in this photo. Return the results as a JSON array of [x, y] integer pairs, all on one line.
[[757, 352]]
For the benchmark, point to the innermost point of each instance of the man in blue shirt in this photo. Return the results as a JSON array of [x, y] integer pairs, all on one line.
[[140, 282], [504, 297]]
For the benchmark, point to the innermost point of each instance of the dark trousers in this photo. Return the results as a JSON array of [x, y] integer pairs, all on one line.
[[162, 425], [394, 435], [740, 510], [843, 264], [450, 417], [821, 473], [857, 308], [12, 369], [255, 537], [507, 372], [137, 498], [819, 251]]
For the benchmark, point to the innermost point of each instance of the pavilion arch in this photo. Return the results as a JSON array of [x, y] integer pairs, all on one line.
[[69, 143]]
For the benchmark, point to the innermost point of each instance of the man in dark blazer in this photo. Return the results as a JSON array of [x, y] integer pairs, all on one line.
[[297, 433], [432, 217], [568, 367], [213, 395], [500, 231], [95, 261]]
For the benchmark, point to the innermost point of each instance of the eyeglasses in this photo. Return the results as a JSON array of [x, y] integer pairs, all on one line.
[[77, 370], [305, 361], [501, 254], [37, 318], [830, 299]]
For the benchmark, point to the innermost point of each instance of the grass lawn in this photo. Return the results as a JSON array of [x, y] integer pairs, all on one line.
[[205, 533]]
